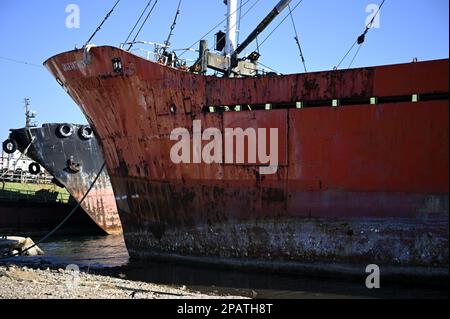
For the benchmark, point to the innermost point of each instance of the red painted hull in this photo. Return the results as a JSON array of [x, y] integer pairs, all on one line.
[[356, 183]]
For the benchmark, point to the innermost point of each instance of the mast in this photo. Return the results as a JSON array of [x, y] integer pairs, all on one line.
[[230, 40], [27, 112], [29, 115]]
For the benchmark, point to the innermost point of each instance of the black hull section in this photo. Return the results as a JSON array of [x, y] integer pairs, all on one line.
[[74, 161]]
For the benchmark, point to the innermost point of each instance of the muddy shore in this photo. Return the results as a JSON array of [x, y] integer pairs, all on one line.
[[27, 283]]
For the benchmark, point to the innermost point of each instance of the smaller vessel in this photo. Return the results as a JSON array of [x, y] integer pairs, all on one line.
[[71, 154]]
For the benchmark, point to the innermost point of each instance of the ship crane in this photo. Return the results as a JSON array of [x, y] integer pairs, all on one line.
[[259, 29], [229, 63]]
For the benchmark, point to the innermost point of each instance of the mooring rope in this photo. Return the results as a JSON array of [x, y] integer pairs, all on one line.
[[7, 256]]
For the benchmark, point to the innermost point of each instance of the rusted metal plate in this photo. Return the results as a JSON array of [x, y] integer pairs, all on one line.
[[255, 120], [413, 78], [395, 80], [379, 148], [359, 168]]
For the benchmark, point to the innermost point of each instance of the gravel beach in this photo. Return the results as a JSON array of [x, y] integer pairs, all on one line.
[[26, 283]]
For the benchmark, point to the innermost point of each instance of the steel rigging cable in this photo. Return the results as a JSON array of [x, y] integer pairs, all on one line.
[[101, 24], [143, 23], [172, 27], [360, 40], [258, 46], [297, 39], [20, 62], [139, 20], [354, 57], [239, 22], [242, 16]]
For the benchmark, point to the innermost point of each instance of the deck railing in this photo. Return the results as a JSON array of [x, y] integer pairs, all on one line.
[[25, 178]]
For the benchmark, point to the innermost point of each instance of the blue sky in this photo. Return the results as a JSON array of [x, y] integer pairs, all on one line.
[[32, 31]]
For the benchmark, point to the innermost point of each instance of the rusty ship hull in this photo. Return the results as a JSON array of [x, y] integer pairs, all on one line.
[[74, 161], [362, 182]]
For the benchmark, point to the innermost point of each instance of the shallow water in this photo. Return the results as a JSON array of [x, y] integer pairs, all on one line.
[[97, 252], [108, 254]]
